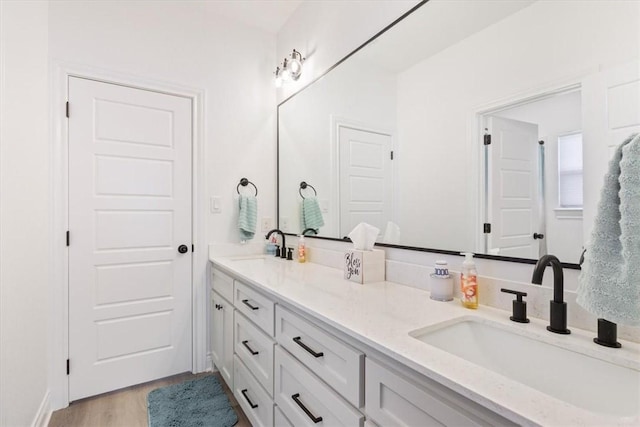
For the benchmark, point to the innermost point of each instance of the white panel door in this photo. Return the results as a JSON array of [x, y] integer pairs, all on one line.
[[610, 113], [513, 181], [366, 178], [129, 211]]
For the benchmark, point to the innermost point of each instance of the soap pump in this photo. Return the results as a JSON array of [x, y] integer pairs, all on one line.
[[469, 281]]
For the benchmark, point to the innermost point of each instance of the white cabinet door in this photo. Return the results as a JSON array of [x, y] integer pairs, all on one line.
[[222, 284], [255, 349], [393, 400], [307, 401], [255, 402], [279, 420], [222, 336], [255, 306], [337, 363]]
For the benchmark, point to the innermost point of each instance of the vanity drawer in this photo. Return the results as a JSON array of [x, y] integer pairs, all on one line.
[[279, 419], [222, 284], [303, 398], [394, 400], [255, 402], [257, 307], [255, 349], [338, 364]]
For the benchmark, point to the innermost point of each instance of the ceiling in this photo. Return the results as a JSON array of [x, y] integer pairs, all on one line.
[[268, 15]]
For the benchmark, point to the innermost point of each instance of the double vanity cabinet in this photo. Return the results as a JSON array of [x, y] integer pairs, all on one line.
[[288, 367]]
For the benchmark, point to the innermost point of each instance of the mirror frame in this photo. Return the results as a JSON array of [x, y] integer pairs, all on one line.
[[384, 245]]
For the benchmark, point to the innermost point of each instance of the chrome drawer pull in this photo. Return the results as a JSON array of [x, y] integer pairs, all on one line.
[[244, 393], [246, 302], [298, 341], [296, 399], [253, 353]]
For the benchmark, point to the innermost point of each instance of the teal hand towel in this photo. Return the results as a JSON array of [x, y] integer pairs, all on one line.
[[311, 214], [609, 283], [247, 216]]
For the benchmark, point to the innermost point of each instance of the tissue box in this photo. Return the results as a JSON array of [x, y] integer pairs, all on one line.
[[364, 266]]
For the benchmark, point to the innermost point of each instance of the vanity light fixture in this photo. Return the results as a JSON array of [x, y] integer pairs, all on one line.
[[290, 69]]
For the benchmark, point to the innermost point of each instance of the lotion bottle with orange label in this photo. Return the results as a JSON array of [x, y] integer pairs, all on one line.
[[469, 282], [302, 249]]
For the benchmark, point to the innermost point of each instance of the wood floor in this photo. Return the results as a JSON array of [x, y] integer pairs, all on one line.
[[126, 407]]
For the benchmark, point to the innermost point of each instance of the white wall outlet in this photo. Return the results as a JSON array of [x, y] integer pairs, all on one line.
[[284, 223], [215, 204], [324, 205], [267, 224]]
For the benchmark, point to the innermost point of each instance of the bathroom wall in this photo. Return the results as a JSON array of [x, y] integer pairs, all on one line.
[[24, 213], [331, 43], [325, 32], [188, 44]]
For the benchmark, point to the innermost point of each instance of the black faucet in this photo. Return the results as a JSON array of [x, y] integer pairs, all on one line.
[[558, 308], [283, 253], [313, 230]]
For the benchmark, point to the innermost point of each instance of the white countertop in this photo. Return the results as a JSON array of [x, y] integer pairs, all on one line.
[[382, 314]]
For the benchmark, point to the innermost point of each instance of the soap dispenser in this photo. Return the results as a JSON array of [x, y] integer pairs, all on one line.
[[469, 282]]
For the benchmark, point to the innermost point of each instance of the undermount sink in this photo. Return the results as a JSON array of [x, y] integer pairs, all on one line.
[[581, 380]]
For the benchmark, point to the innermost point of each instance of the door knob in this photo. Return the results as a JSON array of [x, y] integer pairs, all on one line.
[[538, 236], [183, 249]]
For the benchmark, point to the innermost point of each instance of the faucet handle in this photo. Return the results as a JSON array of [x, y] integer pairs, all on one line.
[[277, 251], [519, 306]]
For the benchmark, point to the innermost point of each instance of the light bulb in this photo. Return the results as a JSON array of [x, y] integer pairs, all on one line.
[[295, 65], [286, 72], [295, 69]]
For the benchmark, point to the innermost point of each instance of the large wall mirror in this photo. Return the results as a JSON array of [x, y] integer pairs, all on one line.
[[481, 126]]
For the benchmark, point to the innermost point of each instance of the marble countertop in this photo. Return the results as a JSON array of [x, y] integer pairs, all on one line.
[[382, 314]]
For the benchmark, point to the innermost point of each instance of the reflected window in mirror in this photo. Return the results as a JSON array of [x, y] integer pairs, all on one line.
[[570, 171]]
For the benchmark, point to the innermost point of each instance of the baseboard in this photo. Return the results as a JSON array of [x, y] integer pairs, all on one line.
[[44, 412], [209, 363]]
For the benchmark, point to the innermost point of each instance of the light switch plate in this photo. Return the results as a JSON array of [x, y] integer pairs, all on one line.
[[324, 205], [215, 204], [284, 223]]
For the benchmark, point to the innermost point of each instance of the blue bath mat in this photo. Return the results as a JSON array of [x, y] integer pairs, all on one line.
[[196, 403]]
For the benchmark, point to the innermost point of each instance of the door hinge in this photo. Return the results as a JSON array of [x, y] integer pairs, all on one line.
[[193, 248], [487, 228], [487, 139], [67, 366], [67, 109], [391, 154], [67, 237]]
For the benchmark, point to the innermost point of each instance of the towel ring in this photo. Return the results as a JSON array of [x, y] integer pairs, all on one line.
[[304, 185], [244, 182]]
